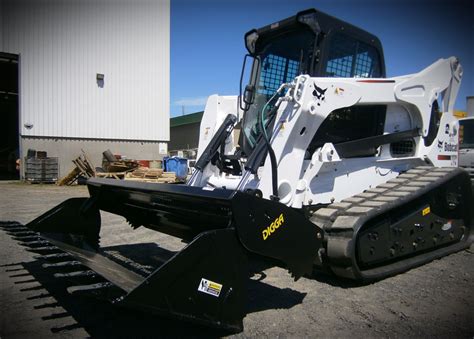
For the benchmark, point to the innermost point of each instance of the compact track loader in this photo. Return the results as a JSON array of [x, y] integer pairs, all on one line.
[[321, 161]]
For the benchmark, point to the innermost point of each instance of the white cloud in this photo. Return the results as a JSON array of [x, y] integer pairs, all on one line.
[[199, 101]]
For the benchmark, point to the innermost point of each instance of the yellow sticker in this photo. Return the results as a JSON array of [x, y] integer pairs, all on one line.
[[426, 211], [210, 287]]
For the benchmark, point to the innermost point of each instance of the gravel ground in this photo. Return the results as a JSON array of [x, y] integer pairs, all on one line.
[[434, 300]]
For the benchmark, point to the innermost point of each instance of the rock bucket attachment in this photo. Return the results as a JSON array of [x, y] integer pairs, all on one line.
[[205, 282]]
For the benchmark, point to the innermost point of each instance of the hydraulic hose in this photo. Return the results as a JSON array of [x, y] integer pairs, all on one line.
[[271, 152]]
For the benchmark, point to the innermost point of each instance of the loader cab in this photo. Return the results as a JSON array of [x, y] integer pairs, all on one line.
[[310, 42]]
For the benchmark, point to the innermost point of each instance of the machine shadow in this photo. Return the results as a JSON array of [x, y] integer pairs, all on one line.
[[262, 296], [331, 279], [259, 264], [99, 318]]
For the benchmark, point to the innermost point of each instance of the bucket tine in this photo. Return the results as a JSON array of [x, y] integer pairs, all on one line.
[[16, 228], [7, 224], [19, 233], [63, 264], [26, 238], [90, 289], [77, 274], [53, 256], [35, 243]]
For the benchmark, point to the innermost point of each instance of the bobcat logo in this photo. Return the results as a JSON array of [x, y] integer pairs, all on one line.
[[319, 93]]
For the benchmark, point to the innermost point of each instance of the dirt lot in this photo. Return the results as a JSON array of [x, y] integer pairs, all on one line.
[[435, 300]]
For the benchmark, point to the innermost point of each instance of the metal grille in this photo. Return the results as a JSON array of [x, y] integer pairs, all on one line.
[[363, 65], [340, 67], [276, 70], [402, 148]]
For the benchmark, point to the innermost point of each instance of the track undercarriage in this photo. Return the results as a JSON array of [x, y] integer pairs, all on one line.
[[419, 216]]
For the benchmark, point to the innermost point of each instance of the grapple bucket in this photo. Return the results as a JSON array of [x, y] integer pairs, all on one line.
[[206, 281]]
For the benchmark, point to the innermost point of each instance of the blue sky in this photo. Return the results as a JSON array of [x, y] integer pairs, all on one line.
[[207, 44]]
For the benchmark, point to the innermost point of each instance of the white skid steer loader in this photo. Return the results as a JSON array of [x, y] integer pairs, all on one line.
[[320, 161]]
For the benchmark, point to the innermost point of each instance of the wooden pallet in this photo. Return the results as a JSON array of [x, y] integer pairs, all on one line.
[[157, 181], [153, 175], [82, 167], [70, 177], [111, 175]]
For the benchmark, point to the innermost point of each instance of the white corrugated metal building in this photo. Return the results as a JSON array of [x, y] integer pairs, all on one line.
[[93, 75]]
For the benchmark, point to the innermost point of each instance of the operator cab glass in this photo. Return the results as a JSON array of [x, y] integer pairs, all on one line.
[[352, 58], [280, 60]]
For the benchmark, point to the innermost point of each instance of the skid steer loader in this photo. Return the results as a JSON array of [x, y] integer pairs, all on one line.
[[321, 161]]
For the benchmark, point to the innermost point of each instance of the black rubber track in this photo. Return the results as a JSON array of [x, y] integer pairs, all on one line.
[[342, 222]]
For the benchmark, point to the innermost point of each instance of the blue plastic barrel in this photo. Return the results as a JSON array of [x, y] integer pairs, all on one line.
[[177, 165]]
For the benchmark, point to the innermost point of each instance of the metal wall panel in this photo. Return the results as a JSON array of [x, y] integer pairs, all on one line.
[[63, 44]]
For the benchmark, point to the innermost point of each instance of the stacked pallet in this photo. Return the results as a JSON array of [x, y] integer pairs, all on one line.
[[143, 172], [41, 170], [155, 175]]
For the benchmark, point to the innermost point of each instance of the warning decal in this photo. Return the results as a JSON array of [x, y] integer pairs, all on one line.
[[210, 287]]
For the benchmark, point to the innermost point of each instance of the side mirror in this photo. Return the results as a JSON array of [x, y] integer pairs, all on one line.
[[248, 70], [249, 94]]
